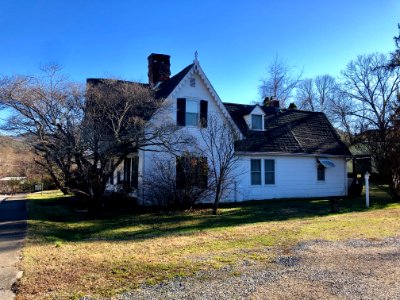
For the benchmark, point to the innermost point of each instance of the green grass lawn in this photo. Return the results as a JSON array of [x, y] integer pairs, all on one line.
[[68, 256]]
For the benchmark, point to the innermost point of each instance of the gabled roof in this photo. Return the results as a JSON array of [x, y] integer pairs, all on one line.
[[166, 87], [288, 131], [171, 86]]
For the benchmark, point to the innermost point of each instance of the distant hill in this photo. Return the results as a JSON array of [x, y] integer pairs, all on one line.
[[16, 157]]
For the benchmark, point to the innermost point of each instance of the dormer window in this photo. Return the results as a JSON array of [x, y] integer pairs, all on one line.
[[256, 122]]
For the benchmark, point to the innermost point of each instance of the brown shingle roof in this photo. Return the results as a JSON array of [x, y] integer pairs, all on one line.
[[288, 131]]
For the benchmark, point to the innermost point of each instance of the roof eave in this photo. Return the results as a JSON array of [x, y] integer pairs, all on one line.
[[264, 153]]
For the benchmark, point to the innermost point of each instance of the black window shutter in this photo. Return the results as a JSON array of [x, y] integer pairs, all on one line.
[[203, 113], [127, 170], [180, 112]]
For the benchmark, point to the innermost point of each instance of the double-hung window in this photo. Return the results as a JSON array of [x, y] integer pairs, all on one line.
[[255, 171], [131, 173], [192, 113], [269, 170]]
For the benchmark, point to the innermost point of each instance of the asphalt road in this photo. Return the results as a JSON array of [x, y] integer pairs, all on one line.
[[12, 234]]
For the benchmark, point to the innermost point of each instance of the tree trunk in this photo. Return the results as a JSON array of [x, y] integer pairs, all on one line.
[[96, 203], [215, 208], [216, 200], [56, 181], [64, 190]]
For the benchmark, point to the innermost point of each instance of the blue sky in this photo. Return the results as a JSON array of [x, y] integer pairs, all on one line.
[[236, 40]]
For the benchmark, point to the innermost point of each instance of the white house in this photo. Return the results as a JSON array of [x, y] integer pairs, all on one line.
[[283, 153]]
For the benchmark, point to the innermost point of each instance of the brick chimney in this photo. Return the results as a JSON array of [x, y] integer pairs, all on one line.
[[159, 68], [271, 102]]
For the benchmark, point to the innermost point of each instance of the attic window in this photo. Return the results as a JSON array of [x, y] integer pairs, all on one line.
[[192, 82], [256, 122]]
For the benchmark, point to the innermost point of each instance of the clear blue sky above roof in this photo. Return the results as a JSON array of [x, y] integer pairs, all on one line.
[[236, 40]]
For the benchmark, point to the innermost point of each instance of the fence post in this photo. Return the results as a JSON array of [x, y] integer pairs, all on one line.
[[366, 176]]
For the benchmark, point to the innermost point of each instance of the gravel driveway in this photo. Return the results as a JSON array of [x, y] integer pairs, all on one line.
[[355, 269]]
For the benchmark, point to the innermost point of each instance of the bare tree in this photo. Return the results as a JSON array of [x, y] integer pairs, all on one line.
[[317, 94], [45, 109], [161, 185], [394, 151], [178, 180], [372, 91], [394, 61], [279, 83], [327, 90], [306, 94], [342, 119], [81, 136], [219, 139]]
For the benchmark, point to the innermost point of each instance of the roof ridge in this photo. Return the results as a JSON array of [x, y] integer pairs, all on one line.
[[295, 137], [167, 86]]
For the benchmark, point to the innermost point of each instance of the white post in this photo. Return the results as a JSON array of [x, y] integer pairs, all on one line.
[[367, 189]]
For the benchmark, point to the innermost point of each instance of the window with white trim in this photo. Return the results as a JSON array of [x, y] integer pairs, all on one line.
[[269, 171], [192, 113], [256, 122], [255, 166]]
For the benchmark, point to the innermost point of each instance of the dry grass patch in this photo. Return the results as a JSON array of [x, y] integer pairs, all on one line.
[[68, 256]]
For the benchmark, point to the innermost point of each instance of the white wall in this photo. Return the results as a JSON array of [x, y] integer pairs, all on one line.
[[295, 177], [148, 159]]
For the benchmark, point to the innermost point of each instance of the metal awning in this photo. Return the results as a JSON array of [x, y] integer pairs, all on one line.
[[326, 162]]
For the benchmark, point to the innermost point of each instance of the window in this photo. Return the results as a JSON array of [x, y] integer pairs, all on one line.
[[320, 172], [111, 179], [191, 112], [269, 169], [191, 171], [255, 171], [119, 175], [131, 172], [256, 122], [192, 82]]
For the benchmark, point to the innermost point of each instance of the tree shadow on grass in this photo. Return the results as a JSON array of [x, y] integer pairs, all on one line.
[[55, 219]]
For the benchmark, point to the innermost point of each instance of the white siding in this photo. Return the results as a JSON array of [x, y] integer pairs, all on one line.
[[295, 177]]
